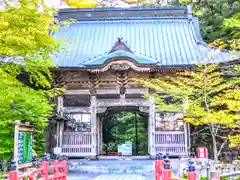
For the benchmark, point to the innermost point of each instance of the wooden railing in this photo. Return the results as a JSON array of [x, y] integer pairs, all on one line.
[[59, 172], [76, 144], [172, 142]]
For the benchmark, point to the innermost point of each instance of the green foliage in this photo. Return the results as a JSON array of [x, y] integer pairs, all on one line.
[[25, 48], [212, 14], [204, 178], [185, 176], [231, 38], [121, 127], [208, 95]]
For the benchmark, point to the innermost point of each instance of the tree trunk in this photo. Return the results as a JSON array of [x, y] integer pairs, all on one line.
[[215, 150]]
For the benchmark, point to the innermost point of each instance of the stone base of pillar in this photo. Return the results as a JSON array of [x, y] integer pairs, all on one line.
[[57, 150], [152, 157], [92, 157]]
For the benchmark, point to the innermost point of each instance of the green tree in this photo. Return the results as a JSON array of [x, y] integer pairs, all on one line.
[[207, 95], [212, 13], [25, 50], [125, 126], [231, 31], [214, 17]]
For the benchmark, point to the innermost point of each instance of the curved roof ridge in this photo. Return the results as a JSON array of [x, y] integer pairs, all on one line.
[[103, 58], [93, 58], [89, 14]]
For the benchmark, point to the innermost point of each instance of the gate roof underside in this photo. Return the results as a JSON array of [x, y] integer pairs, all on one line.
[[165, 37]]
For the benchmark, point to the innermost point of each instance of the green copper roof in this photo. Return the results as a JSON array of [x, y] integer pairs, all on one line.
[[148, 36]]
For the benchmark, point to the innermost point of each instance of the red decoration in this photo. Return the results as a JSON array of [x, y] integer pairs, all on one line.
[[59, 167], [202, 152], [158, 169]]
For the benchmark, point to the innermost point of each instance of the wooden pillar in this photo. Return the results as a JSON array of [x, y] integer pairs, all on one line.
[[57, 149], [186, 138], [61, 130], [98, 136], [151, 128], [189, 138], [60, 105], [101, 136], [94, 126]]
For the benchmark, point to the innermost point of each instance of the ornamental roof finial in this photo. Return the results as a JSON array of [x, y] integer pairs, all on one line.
[[120, 45], [120, 39]]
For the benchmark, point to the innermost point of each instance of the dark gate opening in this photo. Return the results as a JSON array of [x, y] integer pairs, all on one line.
[[125, 126]]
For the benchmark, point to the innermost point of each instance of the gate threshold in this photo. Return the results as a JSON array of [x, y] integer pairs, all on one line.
[[123, 157]]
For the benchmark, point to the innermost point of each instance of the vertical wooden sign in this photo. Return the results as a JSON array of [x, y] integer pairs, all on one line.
[[23, 145]]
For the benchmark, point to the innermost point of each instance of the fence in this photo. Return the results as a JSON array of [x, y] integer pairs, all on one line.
[[205, 166], [172, 142], [59, 171], [76, 144]]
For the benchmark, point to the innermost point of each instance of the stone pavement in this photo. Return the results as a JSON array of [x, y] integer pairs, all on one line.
[[109, 177], [116, 169], [120, 177]]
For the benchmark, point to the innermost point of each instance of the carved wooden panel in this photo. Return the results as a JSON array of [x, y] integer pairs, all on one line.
[[169, 122], [121, 67], [101, 109], [77, 109], [122, 102], [79, 122], [144, 109], [76, 100], [170, 133]]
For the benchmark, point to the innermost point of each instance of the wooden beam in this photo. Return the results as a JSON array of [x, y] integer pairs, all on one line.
[[77, 109], [137, 91], [107, 91], [76, 92], [122, 102]]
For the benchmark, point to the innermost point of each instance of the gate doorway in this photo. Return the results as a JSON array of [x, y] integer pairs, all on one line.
[[121, 126]]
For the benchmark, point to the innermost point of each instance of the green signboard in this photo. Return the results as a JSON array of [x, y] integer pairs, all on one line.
[[23, 145]]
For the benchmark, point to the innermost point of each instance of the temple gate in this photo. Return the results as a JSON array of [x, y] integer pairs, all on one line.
[[81, 135], [108, 50]]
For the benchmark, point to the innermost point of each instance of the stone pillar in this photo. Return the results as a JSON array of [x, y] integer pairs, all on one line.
[[94, 126], [151, 128]]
